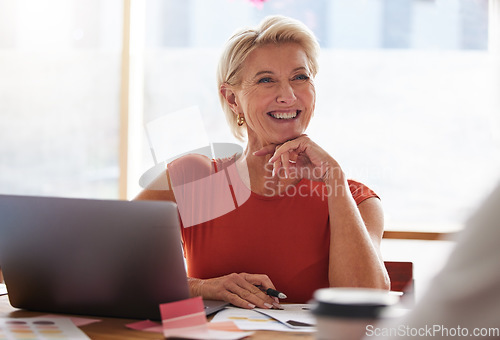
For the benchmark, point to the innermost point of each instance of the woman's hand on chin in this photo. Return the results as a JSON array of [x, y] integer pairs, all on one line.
[[301, 158], [239, 289]]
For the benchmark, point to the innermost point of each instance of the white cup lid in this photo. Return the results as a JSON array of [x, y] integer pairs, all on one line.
[[356, 296]]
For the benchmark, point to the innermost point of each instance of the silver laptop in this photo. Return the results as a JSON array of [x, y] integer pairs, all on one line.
[[92, 257]]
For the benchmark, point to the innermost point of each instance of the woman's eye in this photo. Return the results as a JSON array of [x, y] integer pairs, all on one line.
[[265, 80], [302, 77]]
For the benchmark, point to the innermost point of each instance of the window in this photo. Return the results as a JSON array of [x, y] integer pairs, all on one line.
[[59, 97]]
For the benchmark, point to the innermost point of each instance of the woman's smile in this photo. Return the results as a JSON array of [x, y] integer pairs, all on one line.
[[284, 116]]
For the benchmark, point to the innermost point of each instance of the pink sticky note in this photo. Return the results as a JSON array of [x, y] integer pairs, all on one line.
[[181, 308], [184, 314], [146, 326]]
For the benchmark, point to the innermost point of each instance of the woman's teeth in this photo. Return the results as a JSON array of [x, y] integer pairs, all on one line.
[[283, 115]]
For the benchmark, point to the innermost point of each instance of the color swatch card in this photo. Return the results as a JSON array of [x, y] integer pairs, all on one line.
[[40, 328]]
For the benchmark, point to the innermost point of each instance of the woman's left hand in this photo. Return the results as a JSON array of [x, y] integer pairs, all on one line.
[[301, 157]]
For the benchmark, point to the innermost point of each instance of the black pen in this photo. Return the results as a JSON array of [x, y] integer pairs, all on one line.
[[273, 292]]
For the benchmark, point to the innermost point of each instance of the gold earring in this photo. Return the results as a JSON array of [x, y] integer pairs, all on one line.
[[240, 120]]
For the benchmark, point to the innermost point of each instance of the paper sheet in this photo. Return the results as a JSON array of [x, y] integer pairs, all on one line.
[[40, 328], [296, 316], [253, 319]]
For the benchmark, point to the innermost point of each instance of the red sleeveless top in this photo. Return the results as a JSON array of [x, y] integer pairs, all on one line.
[[226, 229]]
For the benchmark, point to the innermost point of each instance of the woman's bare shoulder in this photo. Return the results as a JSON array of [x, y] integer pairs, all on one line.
[[190, 168], [183, 170]]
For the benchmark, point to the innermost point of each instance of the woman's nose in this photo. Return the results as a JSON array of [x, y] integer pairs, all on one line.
[[286, 94]]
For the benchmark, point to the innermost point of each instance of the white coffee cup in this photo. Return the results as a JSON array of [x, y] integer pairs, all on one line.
[[345, 313]]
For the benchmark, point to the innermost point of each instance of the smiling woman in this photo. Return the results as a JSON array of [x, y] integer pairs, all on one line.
[[275, 94], [266, 87], [293, 64]]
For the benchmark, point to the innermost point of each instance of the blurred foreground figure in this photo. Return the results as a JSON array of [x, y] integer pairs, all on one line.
[[463, 300]]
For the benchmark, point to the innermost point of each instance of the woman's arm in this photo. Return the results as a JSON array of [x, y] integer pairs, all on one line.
[[355, 231], [355, 236]]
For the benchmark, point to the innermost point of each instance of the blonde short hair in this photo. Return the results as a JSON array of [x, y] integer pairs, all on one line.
[[272, 30]]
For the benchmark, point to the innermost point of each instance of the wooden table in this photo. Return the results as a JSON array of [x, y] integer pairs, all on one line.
[[114, 328]]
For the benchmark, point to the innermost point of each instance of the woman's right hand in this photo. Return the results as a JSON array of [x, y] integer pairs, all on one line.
[[239, 289]]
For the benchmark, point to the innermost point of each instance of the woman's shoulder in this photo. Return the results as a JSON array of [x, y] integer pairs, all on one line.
[[191, 167], [360, 191], [196, 166]]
